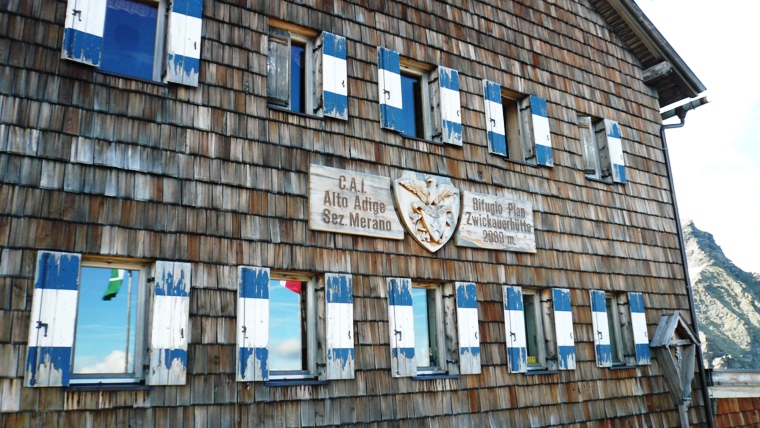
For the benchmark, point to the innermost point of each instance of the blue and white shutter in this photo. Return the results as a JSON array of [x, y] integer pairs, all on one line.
[[467, 327], [253, 324], [563, 326], [169, 324], [83, 31], [331, 74], [53, 319], [184, 42], [615, 149], [339, 312], [537, 142], [601, 329], [447, 126], [401, 327], [389, 87], [639, 325], [497, 134], [514, 323]]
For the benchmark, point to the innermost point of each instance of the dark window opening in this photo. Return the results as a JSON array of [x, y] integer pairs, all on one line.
[[298, 78], [413, 124]]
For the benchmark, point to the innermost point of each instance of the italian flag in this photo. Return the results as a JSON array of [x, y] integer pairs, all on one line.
[[114, 284]]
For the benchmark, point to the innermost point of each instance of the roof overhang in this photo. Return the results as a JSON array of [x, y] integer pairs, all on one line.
[[663, 67]]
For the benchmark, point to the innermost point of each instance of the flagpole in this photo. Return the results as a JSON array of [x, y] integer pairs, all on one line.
[[129, 310]]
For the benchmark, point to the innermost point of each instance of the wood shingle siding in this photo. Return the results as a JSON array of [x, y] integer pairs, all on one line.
[[212, 178]]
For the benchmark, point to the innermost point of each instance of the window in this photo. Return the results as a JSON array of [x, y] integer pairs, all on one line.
[[419, 100], [306, 71], [292, 322], [278, 334], [613, 322], [110, 325], [129, 38], [430, 334], [517, 126], [91, 323], [539, 328], [534, 330], [602, 149], [428, 328], [413, 119], [620, 329]]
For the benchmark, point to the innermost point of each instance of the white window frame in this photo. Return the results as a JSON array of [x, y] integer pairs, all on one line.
[[440, 329], [311, 327], [141, 324], [422, 71]]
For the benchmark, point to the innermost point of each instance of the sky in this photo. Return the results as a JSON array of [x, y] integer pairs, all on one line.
[[716, 156]]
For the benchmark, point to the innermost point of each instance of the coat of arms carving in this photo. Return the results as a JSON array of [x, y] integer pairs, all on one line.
[[428, 206]]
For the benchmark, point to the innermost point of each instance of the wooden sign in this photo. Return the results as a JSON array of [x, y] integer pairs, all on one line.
[[350, 202], [496, 223]]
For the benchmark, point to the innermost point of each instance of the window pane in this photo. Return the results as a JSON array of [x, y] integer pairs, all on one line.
[[287, 335], [425, 327], [530, 327], [105, 332], [129, 39], [298, 78], [411, 99], [611, 321]]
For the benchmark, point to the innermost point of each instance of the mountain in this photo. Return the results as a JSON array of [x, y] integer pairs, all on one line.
[[727, 300]]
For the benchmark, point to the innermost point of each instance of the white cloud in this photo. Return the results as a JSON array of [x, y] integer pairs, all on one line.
[[715, 157], [113, 363], [288, 349]]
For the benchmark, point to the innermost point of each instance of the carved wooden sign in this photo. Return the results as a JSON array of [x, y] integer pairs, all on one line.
[[428, 206], [354, 203], [496, 223]]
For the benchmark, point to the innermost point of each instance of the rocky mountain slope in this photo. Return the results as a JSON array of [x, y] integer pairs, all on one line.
[[727, 301]]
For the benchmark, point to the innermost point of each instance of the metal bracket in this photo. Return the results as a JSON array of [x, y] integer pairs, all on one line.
[[44, 325]]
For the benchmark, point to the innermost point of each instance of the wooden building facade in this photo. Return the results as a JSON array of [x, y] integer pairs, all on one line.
[[495, 164]]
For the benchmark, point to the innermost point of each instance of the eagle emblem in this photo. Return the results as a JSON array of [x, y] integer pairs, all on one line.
[[429, 207]]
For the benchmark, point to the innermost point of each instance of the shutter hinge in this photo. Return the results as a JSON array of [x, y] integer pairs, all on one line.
[[44, 325], [319, 289], [448, 296], [78, 13], [316, 48], [151, 280]]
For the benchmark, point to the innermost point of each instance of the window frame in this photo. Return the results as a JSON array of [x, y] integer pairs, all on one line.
[[440, 328], [411, 68], [308, 94], [141, 356], [308, 39], [311, 327]]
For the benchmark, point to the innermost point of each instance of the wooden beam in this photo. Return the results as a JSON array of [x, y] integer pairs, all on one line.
[[734, 391], [656, 71]]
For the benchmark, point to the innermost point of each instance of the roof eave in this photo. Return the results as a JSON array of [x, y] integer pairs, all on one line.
[[681, 75]]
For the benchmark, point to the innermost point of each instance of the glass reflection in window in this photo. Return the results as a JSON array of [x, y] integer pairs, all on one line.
[[129, 38], [287, 325], [425, 327], [106, 321]]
